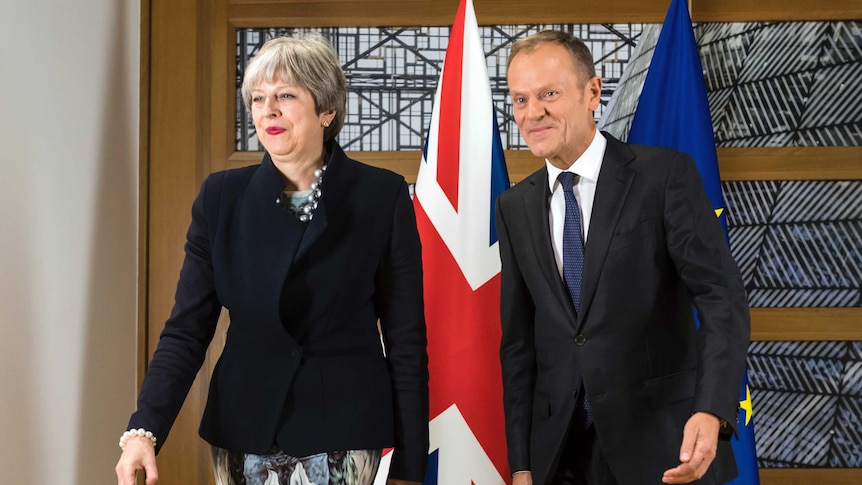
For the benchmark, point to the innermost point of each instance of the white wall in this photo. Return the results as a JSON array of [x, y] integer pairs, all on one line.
[[69, 110]]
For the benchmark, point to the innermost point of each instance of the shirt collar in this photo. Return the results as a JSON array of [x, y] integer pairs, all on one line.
[[587, 166]]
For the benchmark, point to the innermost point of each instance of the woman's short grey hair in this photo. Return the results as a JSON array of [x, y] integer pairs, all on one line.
[[309, 62]]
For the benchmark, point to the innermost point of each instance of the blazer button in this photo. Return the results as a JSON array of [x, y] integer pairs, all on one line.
[[580, 340]]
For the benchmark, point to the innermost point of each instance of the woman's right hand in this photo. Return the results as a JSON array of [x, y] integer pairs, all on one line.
[[140, 454]]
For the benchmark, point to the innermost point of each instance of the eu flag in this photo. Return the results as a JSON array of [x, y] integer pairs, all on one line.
[[673, 111]]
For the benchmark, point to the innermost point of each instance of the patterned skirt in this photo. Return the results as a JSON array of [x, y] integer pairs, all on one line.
[[353, 467]]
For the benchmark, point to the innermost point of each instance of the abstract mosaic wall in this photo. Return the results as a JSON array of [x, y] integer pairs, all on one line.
[[392, 76], [808, 403], [798, 243]]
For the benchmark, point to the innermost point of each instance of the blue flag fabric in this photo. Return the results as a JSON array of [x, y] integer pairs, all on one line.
[[673, 111]]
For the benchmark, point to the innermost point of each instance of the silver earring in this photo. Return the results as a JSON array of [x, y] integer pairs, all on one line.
[[325, 124]]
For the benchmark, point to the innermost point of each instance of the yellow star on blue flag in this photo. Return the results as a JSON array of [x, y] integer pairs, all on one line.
[[746, 405]]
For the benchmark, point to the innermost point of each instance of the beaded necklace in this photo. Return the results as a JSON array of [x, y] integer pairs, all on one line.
[[305, 210]]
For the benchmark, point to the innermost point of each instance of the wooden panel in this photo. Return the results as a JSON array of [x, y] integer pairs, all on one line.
[[809, 476], [178, 101], [806, 324], [519, 162], [791, 163], [243, 159], [303, 13], [143, 195], [808, 163], [299, 13], [740, 10]]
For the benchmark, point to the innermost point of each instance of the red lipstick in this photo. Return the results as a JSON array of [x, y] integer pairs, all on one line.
[[274, 130]]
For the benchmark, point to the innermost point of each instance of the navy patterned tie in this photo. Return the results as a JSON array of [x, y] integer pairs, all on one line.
[[573, 257], [573, 242]]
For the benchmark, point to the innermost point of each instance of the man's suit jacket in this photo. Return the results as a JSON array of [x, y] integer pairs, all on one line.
[[654, 248], [303, 365]]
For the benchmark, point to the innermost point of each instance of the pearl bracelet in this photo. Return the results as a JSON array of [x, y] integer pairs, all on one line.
[[136, 432]]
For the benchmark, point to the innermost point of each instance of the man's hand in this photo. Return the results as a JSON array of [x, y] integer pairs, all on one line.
[[699, 442], [522, 478]]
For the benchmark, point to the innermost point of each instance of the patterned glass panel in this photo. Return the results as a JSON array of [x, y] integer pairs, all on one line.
[[798, 243], [807, 403], [392, 76], [769, 84]]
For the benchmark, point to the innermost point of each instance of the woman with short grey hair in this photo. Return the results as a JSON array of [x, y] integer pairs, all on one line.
[[307, 251]]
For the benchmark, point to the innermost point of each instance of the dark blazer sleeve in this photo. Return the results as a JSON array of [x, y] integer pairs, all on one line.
[[399, 303], [188, 331], [698, 247], [517, 348]]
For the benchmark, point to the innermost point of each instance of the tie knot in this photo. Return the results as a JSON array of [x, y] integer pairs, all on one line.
[[567, 180]]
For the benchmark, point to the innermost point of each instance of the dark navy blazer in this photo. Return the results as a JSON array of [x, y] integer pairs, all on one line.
[[655, 248], [303, 366]]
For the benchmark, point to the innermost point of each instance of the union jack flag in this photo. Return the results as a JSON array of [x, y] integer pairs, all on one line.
[[461, 174]]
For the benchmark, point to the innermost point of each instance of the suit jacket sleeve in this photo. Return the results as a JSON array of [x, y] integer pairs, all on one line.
[[517, 350], [188, 331], [697, 244], [399, 302]]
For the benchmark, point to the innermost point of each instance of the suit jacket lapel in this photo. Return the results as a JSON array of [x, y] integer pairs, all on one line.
[[271, 234], [536, 208], [336, 184], [613, 187]]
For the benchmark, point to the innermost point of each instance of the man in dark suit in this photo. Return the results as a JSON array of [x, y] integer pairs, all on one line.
[[605, 250]]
